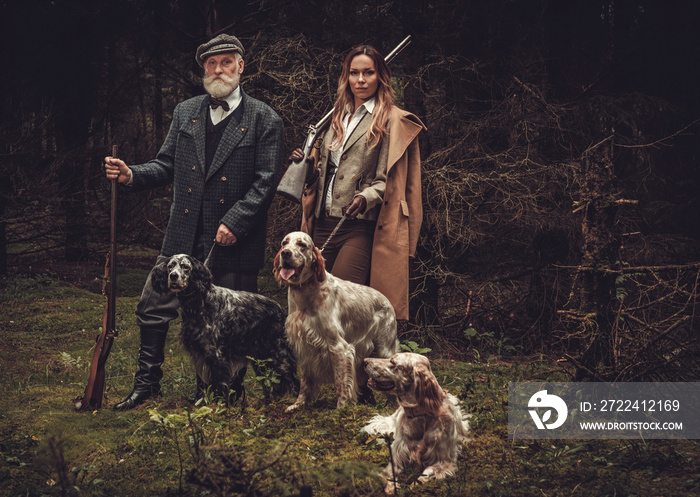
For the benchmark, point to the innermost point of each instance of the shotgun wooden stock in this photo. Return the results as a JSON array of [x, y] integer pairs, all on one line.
[[94, 391]]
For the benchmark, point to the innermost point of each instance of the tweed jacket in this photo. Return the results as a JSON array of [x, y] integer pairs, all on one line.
[[238, 187], [401, 214], [357, 174]]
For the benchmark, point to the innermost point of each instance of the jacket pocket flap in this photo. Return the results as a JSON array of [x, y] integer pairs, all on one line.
[[404, 208]]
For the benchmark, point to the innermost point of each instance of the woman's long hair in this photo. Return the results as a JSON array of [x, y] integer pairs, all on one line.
[[384, 98]]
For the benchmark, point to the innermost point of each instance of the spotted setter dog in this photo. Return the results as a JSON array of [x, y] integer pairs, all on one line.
[[333, 324], [428, 427], [221, 328]]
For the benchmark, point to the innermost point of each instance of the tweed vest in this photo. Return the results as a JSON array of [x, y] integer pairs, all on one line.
[[216, 131]]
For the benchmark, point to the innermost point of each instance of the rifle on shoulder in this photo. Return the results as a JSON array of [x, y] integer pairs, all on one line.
[[291, 185], [94, 391]]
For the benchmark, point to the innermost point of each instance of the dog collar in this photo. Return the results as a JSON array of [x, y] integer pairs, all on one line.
[[184, 293], [415, 412], [301, 284]]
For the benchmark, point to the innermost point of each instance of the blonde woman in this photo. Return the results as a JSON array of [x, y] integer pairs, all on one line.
[[367, 167]]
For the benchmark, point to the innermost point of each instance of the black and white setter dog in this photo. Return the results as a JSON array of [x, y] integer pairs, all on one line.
[[221, 328]]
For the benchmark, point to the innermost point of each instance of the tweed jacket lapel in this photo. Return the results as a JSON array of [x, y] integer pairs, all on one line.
[[233, 134], [359, 131], [199, 129]]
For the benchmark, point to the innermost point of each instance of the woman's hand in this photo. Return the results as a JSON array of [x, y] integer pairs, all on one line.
[[355, 207], [311, 171], [296, 155]]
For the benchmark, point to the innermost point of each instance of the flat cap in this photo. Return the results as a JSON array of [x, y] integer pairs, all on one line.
[[219, 44]]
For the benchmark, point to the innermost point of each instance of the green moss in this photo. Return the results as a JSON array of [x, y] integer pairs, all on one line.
[[48, 449]]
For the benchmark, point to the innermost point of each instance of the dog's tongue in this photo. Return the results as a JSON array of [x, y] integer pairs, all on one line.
[[286, 273]]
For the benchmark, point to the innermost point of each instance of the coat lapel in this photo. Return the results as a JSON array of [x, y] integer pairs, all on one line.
[[199, 130], [403, 130], [359, 131], [232, 136]]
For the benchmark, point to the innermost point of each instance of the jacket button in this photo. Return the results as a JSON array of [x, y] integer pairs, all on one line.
[[223, 178], [337, 195], [221, 201], [379, 227], [344, 156], [187, 211], [194, 168], [189, 190], [341, 176]]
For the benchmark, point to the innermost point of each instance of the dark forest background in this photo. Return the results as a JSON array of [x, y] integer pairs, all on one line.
[[560, 164]]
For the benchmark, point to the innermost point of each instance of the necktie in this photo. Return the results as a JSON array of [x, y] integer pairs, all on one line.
[[216, 102]]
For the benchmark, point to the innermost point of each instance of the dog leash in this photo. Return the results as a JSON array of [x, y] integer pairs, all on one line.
[[335, 230], [208, 259]]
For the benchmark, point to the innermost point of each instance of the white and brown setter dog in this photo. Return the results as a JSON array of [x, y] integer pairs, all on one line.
[[333, 324], [428, 428], [221, 328]]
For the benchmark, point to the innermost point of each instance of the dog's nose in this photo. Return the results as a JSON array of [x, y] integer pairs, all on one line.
[[173, 276], [286, 253]]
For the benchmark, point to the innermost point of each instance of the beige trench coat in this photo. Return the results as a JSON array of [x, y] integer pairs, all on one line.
[[401, 214]]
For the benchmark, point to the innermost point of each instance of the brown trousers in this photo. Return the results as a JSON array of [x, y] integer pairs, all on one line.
[[349, 253]]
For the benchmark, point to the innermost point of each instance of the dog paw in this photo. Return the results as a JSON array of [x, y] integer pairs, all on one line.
[[294, 407]]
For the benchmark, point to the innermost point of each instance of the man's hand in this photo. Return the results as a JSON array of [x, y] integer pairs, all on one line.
[[117, 169], [357, 206], [225, 236]]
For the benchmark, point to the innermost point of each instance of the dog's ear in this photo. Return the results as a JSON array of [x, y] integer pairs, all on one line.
[[428, 391], [319, 265], [200, 278], [159, 277], [276, 267]]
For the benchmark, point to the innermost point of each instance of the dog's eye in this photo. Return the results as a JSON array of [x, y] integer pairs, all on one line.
[[301, 244], [186, 267]]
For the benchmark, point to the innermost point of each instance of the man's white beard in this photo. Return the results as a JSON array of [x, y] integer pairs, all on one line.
[[221, 86]]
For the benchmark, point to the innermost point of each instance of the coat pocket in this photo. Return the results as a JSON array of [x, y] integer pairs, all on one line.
[[402, 228]]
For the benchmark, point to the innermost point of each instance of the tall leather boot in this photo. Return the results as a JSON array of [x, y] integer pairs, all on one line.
[[147, 378]]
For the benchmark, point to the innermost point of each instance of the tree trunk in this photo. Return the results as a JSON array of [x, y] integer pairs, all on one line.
[[74, 207], [74, 90], [4, 193], [424, 305], [601, 245]]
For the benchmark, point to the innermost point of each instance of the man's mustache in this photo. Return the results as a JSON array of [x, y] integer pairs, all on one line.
[[222, 77]]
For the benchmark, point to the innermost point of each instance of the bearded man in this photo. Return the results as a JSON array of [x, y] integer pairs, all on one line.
[[224, 154]]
